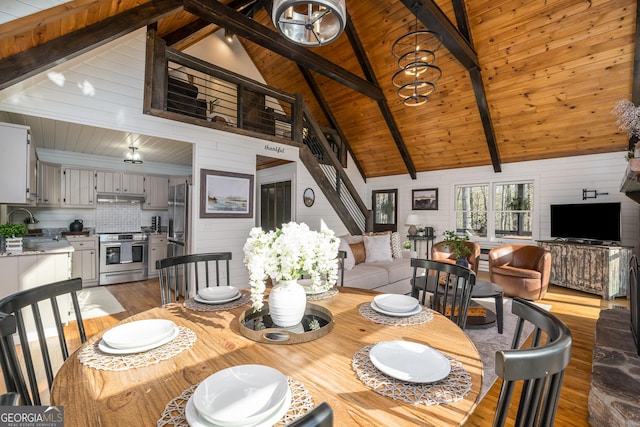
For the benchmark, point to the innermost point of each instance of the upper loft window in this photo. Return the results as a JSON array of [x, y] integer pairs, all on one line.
[[495, 210]]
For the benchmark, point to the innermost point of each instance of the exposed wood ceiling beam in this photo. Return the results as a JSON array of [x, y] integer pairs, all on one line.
[[361, 55], [435, 20], [23, 65], [315, 89], [226, 17]]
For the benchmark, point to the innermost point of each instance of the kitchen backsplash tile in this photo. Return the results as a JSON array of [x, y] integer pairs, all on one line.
[[117, 217]]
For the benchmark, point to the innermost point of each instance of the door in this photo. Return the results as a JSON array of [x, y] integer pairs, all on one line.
[[385, 210], [275, 204]]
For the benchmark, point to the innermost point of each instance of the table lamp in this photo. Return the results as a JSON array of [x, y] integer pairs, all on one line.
[[412, 221]]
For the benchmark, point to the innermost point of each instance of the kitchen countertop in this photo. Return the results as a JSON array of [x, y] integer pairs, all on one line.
[[34, 246]]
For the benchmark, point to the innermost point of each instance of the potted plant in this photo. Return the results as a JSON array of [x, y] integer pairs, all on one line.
[[406, 245], [12, 237], [31, 222], [456, 245]]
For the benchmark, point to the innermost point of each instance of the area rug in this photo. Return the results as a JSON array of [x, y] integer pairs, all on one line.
[[488, 340], [97, 302]]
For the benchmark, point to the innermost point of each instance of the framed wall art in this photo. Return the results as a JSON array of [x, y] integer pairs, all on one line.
[[424, 200], [225, 194]]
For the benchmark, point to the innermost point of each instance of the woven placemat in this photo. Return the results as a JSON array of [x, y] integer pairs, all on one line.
[[451, 389], [301, 403], [323, 295], [192, 304], [92, 357], [417, 319]]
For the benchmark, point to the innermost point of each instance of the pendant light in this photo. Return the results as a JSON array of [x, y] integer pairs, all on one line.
[[417, 75], [310, 23], [133, 156]]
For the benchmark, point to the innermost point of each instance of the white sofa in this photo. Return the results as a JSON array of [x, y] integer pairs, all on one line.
[[379, 272]]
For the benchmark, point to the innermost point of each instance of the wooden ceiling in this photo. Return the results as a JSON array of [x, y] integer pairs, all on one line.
[[549, 73]]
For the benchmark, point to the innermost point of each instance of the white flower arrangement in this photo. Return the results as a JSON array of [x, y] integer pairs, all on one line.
[[288, 254], [628, 117]]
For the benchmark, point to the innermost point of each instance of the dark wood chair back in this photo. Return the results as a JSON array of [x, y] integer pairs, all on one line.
[[448, 287], [320, 416], [176, 273], [539, 368], [29, 318]]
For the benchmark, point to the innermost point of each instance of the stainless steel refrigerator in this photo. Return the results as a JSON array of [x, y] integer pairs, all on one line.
[[178, 228]]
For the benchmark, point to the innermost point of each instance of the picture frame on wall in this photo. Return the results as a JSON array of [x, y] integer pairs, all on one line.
[[424, 200], [225, 194]]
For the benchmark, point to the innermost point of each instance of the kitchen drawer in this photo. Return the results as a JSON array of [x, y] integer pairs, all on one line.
[[83, 242], [157, 239]]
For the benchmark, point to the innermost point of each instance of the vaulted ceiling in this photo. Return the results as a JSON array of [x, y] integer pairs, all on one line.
[[521, 80]]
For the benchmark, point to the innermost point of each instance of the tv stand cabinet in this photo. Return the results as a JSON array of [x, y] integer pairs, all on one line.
[[597, 269]]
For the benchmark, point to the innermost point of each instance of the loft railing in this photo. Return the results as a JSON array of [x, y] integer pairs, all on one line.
[[183, 88]]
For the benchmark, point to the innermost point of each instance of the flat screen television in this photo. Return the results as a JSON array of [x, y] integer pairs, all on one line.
[[588, 221]]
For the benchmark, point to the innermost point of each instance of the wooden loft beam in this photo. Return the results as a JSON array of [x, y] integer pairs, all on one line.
[[23, 65], [361, 55], [242, 26]]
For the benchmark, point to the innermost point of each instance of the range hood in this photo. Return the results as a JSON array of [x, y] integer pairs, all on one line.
[[119, 198]]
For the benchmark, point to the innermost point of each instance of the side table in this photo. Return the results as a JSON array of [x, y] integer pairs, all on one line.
[[415, 239], [483, 289]]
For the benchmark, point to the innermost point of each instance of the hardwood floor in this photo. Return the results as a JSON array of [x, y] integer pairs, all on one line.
[[577, 309]]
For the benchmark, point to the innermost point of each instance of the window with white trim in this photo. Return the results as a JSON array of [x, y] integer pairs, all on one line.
[[500, 210]]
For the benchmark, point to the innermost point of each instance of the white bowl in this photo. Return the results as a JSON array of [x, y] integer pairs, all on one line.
[[396, 303], [240, 395], [139, 334], [216, 293]]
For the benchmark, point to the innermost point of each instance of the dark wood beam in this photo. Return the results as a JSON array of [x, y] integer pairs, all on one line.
[[435, 20], [315, 89], [462, 19], [361, 55], [485, 117], [242, 26], [21, 66]]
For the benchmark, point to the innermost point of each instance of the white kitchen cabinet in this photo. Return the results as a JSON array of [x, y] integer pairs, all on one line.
[[156, 192], [18, 164], [157, 251], [132, 183], [84, 259], [49, 184], [78, 188], [114, 182]]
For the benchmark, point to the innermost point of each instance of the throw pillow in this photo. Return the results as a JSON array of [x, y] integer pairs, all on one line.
[[349, 261], [396, 245], [377, 248], [358, 250]]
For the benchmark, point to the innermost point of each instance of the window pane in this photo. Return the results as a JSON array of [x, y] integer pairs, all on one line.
[[513, 208], [472, 210]]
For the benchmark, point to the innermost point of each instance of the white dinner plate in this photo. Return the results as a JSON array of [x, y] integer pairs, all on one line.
[[105, 348], [410, 361], [217, 293], [194, 420], [240, 395], [416, 310], [138, 334], [222, 301], [396, 302]]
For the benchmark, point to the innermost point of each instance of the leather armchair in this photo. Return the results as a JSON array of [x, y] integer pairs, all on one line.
[[521, 270], [440, 252]]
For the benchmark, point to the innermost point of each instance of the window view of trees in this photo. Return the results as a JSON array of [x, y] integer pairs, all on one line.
[[511, 216]]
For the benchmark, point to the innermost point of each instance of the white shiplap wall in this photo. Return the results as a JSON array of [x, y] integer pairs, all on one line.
[[104, 88], [556, 181]]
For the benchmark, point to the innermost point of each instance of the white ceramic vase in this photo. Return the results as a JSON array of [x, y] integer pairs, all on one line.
[[287, 303]]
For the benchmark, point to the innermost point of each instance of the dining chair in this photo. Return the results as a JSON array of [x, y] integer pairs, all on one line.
[[35, 320], [539, 368], [444, 287], [175, 273], [320, 416]]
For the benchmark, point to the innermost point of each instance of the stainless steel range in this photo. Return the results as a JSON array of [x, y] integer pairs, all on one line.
[[123, 257]]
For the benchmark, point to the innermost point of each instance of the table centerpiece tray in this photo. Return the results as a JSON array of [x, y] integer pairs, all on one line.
[[258, 326]]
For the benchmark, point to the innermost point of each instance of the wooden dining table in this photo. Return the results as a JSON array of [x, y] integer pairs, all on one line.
[[137, 397]]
